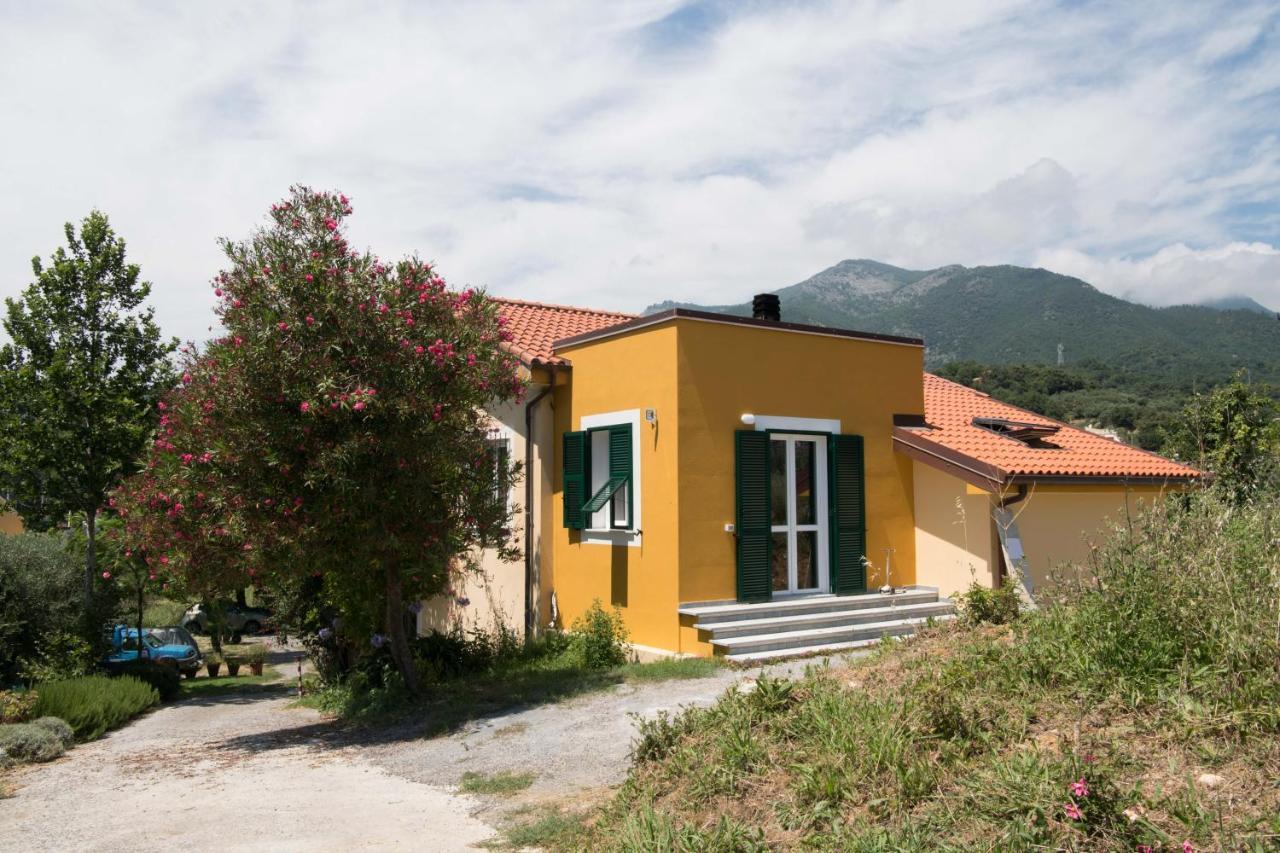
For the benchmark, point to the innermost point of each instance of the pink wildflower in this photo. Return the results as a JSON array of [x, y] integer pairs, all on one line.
[[310, 277], [1187, 848], [306, 407], [359, 407], [311, 321], [1073, 811], [106, 576], [282, 326], [1080, 788]]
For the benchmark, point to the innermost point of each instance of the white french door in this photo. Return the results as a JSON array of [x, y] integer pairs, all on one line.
[[798, 489]]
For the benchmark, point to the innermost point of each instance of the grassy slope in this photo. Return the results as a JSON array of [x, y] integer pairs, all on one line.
[[970, 737]]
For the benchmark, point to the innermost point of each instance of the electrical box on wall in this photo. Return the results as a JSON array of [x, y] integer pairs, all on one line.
[[651, 416]]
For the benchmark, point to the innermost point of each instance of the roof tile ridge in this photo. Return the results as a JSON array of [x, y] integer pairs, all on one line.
[[557, 307]]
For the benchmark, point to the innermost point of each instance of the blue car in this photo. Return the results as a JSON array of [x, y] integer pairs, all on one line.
[[167, 646]]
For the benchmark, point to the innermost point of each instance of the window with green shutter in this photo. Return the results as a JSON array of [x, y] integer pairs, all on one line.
[[848, 514], [574, 456], [752, 516], [599, 487]]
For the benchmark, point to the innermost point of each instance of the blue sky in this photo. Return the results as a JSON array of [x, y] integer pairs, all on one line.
[[617, 154]]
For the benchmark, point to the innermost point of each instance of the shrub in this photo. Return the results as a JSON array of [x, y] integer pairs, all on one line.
[[58, 728], [16, 706], [25, 742], [95, 704], [255, 653], [982, 604], [600, 638], [40, 593], [59, 655], [165, 679]]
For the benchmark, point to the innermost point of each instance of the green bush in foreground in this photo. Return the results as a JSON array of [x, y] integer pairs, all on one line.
[[600, 638], [16, 706], [95, 704], [1085, 725], [27, 742]]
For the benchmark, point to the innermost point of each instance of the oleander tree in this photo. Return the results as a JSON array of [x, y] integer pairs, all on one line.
[[336, 429], [78, 382]]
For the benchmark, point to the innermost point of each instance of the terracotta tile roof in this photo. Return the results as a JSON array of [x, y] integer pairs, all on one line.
[[535, 326], [951, 435]]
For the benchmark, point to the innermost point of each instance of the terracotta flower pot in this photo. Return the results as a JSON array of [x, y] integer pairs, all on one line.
[[256, 667], [233, 669], [213, 669]]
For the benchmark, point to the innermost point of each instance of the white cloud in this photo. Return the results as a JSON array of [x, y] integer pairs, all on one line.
[[601, 154], [1169, 275]]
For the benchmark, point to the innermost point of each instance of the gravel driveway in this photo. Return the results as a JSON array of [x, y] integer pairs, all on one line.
[[249, 772]]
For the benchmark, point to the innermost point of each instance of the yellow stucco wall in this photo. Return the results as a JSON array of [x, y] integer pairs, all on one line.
[[701, 377], [956, 541], [636, 370], [10, 523]]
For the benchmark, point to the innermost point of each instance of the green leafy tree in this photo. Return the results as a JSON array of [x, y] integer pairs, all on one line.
[[335, 431], [1233, 432], [78, 381]]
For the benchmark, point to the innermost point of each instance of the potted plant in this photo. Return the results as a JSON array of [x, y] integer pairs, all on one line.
[[213, 663], [257, 657], [234, 660]]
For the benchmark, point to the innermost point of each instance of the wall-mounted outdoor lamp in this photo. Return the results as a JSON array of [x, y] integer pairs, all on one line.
[[749, 419]]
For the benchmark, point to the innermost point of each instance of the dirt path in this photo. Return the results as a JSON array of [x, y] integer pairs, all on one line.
[[237, 772], [249, 772]]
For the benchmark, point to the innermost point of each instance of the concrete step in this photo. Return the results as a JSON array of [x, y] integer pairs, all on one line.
[[729, 611], [825, 619], [803, 651], [788, 641]]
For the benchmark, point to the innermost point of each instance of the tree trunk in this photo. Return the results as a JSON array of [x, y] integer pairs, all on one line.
[[241, 601], [90, 556], [395, 630], [141, 607]]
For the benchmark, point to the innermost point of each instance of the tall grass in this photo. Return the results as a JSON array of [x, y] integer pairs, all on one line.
[[1081, 726]]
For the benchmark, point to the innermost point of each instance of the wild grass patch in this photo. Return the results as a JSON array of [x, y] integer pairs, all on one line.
[[504, 783], [1093, 724]]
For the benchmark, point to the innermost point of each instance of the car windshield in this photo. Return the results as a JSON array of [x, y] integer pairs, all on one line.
[[171, 636]]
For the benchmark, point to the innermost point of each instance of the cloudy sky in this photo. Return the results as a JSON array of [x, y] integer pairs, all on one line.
[[617, 154]]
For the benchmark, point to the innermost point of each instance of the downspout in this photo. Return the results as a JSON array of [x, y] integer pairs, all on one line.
[[1005, 503], [1006, 526], [531, 606]]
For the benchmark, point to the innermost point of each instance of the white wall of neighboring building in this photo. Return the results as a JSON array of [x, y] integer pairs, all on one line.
[[494, 594]]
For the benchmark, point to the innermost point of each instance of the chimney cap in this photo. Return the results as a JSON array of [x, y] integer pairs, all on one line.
[[766, 306]]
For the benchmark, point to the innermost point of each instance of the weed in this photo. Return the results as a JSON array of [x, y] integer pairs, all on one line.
[[504, 783]]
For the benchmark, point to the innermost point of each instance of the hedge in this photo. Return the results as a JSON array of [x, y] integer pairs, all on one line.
[[95, 704]]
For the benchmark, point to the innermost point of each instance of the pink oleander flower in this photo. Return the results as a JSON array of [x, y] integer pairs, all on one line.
[[310, 277], [282, 325], [106, 576], [164, 561], [1080, 788], [1073, 811], [186, 378], [306, 407], [217, 291], [331, 224], [162, 405], [359, 407], [311, 321]]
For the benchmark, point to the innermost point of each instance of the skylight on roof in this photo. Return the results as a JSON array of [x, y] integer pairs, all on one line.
[[1032, 435]]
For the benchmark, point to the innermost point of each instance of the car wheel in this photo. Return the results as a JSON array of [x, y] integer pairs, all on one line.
[[252, 627], [235, 637]]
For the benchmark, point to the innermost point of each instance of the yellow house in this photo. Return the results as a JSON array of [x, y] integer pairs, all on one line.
[[746, 486]]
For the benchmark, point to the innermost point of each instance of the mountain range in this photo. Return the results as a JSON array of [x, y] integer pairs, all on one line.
[[1010, 314]]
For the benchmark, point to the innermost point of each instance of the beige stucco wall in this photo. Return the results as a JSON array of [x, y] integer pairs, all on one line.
[[494, 594], [954, 532], [956, 539], [1059, 525], [10, 522]]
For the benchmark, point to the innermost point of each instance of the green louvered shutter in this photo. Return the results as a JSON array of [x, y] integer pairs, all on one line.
[[620, 466], [574, 491], [755, 539], [848, 515]]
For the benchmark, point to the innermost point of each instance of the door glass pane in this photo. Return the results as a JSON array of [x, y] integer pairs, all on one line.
[[778, 480], [780, 581], [806, 559], [806, 451]]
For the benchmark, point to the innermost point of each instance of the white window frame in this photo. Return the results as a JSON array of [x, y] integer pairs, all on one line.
[[597, 530], [819, 525]]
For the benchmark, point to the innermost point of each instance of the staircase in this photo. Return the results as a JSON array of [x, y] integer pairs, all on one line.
[[790, 627]]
